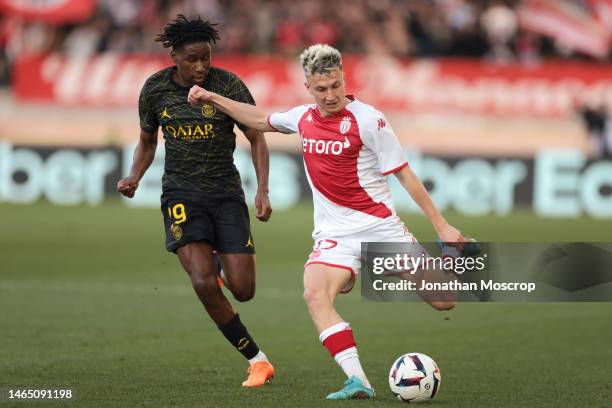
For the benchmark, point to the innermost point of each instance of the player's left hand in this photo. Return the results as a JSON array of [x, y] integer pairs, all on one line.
[[262, 204], [452, 236]]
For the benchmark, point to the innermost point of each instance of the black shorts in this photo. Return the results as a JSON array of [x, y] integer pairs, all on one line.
[[222, 220]]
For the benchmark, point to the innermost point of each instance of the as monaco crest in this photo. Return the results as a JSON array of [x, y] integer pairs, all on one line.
[[345, 124]]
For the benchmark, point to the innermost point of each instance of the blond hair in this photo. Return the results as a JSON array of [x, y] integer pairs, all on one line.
[[320, 58]]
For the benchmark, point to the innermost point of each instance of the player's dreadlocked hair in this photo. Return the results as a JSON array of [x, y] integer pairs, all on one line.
[[320, 58], [183, 31]]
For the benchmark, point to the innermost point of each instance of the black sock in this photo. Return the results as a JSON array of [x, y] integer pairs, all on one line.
[[237, 334]]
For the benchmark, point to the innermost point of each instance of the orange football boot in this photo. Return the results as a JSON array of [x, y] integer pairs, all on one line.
[[260, 373]]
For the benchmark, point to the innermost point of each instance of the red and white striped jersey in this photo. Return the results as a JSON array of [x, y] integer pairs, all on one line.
[[346, 158]]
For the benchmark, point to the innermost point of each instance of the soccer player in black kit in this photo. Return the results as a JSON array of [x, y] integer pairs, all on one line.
[[202, 201]]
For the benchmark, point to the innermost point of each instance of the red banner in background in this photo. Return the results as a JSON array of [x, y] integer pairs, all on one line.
[[420, 86], [49, 11], [569, 24], [602, 11]]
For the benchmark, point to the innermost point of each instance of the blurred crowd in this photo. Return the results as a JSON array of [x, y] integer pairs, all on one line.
[[403, 28]]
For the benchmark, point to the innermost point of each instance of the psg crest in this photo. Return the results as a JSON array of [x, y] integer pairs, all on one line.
[[177, 232], [208, 111], [345, 124]]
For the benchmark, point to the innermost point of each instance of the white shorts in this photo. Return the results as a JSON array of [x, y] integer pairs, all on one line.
[[345, 252]]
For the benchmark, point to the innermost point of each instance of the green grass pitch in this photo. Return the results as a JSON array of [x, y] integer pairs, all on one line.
[[90, 300]]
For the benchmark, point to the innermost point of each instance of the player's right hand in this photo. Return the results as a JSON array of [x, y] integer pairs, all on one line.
[[452, 236], [127, 186], [262, 205], [198, 95]]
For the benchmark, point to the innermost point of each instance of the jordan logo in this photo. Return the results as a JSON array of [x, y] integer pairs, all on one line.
[[165, 114], [249, 243]]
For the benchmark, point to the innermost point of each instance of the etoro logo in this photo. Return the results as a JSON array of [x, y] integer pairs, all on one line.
[[334, 147]]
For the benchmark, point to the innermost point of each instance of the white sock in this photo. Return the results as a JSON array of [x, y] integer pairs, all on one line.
[[338, 327], [349, 361], [258, 357]]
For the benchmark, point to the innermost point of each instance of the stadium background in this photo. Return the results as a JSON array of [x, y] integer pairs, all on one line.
[[503, 108]]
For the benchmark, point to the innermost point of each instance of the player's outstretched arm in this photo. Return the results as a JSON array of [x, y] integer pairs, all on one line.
[[261, 161], [143, 157], [419, 194], [248, 115]]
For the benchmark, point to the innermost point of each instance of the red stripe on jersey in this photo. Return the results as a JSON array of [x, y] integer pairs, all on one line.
[[339, 342], [331, 149], [398, 168]]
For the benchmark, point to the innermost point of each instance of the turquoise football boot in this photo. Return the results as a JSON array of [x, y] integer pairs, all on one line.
[[353, 389]]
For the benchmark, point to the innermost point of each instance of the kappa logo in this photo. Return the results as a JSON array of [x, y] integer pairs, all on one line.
[[345, 124], [381, 123], [309, 118], [334, 147]]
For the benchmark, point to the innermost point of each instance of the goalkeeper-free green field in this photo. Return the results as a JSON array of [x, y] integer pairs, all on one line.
[[91, 301]]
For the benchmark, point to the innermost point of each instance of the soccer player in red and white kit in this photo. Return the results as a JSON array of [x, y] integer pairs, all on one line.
[[349, 147]]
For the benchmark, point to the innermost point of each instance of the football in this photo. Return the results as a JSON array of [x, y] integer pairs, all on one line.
[[414, 377]]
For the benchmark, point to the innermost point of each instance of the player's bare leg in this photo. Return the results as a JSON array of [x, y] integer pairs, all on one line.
[[439, 300], [239, 272], [321, 286], [198, 261], [447, 299]]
